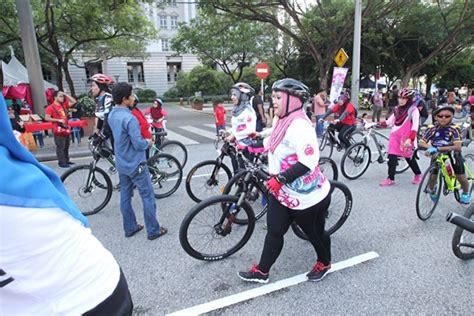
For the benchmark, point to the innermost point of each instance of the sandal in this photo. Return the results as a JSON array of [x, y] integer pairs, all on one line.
[[139, 228], [163, 231]]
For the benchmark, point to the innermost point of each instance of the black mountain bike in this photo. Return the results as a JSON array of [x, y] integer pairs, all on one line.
[[463, 237], [219, 226], [329, 141]]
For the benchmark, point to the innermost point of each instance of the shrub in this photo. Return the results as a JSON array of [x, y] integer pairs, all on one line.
[[146, 95], [88, 104]]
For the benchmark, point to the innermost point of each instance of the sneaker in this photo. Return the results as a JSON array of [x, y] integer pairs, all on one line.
[[254, 275], [64, 165], [318, 272], [416, 179], [434, 197], [465, 198], [387, 182]]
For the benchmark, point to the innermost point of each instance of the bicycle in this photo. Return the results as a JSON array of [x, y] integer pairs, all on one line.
[[429, 194], [92, 183], [171, 147], [329, 141], [257, 196], [357, 157], [216, 223], [462, 243]]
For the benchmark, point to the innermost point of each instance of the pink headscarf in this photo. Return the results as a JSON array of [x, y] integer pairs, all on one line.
[[282, 125]]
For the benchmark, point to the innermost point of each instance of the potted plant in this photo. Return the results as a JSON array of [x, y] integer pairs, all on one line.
[[197, 103], [88, 106]]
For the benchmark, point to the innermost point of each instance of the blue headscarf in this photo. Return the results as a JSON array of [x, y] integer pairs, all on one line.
[[24, 182]]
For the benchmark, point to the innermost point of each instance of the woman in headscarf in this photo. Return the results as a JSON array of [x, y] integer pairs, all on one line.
[[300, 192]]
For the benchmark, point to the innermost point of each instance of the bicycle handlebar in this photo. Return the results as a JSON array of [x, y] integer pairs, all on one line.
[[461, 221]]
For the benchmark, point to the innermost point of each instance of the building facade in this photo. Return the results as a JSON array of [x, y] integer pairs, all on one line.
[[159, 69]]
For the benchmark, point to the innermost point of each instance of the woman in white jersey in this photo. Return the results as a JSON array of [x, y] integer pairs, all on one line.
[[300, 192], [50, 263]]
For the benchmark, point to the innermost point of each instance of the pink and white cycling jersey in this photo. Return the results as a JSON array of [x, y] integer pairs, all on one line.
[[244, 124], [299, 145]]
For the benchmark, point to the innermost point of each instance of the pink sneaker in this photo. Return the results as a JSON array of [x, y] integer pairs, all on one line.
[[416, 179], [387, 182]]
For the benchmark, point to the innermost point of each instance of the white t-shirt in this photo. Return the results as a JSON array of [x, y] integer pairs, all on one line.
[[299, 145], [244, 124], [51, 264]]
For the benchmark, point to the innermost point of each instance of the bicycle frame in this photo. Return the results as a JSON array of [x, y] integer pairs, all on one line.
[[372, 135], [450, 181]]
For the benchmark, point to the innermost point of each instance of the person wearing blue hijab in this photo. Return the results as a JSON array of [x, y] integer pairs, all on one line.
[[50, 263]]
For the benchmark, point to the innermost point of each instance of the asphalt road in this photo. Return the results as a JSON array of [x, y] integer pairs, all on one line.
[[415, 273]]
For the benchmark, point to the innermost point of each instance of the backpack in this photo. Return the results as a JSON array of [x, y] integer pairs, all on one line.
[[420, 104]]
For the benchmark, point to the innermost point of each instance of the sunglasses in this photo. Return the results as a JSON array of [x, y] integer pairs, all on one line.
[[444, 116]]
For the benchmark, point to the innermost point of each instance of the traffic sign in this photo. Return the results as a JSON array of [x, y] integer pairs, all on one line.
[[262, 71], [341, 57]]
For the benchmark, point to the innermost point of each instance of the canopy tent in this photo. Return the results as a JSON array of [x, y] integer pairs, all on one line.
[[16, 83], [366, 83]]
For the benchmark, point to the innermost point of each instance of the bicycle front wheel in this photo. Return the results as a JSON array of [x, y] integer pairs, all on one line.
[[329, 168], [175, 149], [207, 179], [166, 174], [355, 161], [338, 211], [208, 232], [89, 188], [463, 241], [429, 192]]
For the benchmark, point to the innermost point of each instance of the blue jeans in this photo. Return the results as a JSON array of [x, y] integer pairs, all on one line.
[[219, 128], [76, 132], [319, 126], [141, 180]]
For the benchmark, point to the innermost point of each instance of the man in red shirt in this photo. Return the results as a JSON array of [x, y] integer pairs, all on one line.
[[219, 115], [57, 113]]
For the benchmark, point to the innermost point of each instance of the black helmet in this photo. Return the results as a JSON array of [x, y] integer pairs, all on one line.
[[443, 107], [292, 87], [245, 91]]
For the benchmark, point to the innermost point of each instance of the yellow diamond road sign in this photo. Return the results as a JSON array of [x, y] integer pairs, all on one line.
[[341, 57]]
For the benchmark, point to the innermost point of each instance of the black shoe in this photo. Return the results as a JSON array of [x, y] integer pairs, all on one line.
[[254, 275], [71, 163], [318, 272], [64, 165]]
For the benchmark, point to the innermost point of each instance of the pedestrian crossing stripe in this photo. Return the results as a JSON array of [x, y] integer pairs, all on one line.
[[180, 138], [200, 132]]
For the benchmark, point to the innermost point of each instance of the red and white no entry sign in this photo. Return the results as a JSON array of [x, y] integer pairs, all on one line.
[[262, 71]]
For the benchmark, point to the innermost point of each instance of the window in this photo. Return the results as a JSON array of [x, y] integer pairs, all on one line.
[[165, 43], [163, 22], [93, 68], [135, 72], [174, 22], [47, 75], [173, 70], [169, 2]]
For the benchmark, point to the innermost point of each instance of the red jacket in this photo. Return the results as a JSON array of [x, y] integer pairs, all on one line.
[[350, 119], [144, 126]]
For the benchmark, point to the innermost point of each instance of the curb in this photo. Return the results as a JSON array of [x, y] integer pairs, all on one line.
[[44, 157]]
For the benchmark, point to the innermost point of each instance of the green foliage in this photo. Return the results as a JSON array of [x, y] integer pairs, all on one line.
[[146, 95], [88, 104], [459, 73]]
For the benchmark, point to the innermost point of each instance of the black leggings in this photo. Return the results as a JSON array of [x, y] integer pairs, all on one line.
[[344, 134], [392, 165], [311, 221], [118, 303]]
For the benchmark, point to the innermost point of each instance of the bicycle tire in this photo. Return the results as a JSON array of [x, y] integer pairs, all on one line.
[[357, 137], [83, 192], [326, 147], [328, 167], [458, 243], [211, 186], [357, 155], [176, 149], [211, 211], [424, 193], [260, 197], [469, 161], [165, 171], [336, 215]]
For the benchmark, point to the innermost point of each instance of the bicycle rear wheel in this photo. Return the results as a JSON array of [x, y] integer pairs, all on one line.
[[329, 168], [257, 196], [90, 189], [207, 179], [355, 161], [175, 149], [325, 145], [429, 192], [338, 211], [469, 162], [208, 231], [166, 174], [463, 241]]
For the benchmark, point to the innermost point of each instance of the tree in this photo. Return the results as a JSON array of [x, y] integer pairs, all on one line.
[[223, 41], [66, 28], [460, 72]]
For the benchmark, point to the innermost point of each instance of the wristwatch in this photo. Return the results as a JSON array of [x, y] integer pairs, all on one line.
[[281, 178]]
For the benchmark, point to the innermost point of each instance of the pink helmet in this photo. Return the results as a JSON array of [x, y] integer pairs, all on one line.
[[102, 79], [406, 93]]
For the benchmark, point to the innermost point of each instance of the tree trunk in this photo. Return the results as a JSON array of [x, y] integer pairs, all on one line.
[[59, 75], [429, 81], [406, 79], [323, 77], [70, 83]]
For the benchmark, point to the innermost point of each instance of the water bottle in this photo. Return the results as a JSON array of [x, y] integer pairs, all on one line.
[[449, 168]]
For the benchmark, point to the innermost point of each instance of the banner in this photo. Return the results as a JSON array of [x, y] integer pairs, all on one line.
[[338, 78]]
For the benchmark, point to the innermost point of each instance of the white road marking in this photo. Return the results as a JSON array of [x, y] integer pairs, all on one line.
[[175, 136], [200, 132], [272, 287]]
